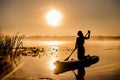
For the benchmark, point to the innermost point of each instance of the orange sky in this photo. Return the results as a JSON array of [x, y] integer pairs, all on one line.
[[102, 17]]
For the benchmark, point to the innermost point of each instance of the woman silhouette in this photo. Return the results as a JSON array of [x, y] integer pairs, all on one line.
[[80, 44]]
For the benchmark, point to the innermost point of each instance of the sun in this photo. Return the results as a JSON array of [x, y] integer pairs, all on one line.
[[53, 17]]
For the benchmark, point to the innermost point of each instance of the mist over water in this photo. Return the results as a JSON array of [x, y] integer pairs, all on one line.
[[41, 67]]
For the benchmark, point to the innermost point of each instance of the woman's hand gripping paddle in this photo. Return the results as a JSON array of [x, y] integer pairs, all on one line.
[[66, 59]]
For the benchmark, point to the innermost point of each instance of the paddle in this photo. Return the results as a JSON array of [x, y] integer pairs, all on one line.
[[69, 55]]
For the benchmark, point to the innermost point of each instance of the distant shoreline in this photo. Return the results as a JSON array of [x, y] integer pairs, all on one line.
[[69, 38]]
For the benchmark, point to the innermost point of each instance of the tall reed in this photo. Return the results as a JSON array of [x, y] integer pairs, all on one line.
[[10, 45]]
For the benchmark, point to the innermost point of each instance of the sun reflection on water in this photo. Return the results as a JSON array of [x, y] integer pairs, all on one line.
[[51, 63], [54, 42], [53, 52]]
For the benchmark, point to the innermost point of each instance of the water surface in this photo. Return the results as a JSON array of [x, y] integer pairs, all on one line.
[[41, 67]]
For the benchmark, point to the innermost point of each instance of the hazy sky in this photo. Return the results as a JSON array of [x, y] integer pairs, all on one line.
[[102, 17]]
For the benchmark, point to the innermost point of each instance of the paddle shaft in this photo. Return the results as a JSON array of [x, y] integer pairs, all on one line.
[[69, 55]]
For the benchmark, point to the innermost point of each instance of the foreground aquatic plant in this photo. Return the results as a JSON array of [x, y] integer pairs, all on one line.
[[10, 45]]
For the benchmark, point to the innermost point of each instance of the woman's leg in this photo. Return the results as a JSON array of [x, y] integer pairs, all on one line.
[[81, 53]]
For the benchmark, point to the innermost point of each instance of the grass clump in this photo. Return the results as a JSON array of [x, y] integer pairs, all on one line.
[[10, 45]]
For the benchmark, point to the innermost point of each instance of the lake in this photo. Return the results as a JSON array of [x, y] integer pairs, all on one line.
[[41, 67]]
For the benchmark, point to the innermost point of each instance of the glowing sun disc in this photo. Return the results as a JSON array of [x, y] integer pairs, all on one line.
[[53, 17]]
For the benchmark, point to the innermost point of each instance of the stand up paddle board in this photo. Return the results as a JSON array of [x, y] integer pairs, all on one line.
[[63, 66]]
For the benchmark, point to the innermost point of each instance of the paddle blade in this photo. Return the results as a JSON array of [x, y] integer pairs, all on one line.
[[66, 59]]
